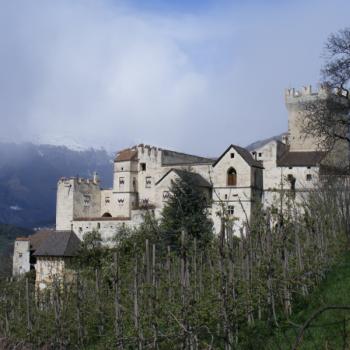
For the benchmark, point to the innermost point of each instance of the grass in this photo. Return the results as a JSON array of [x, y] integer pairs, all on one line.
[[331, 329]]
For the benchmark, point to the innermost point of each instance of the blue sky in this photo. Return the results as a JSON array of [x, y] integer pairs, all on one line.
[[188, 75]]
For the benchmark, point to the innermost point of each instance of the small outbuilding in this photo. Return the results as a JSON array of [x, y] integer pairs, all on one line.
[[54, 258]]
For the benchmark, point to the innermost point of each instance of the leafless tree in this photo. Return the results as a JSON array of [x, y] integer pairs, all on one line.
[[328, 117]]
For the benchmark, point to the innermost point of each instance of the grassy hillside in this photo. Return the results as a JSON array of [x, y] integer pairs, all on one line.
[[329, 330]]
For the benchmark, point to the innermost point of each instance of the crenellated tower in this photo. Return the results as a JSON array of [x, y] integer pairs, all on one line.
[[295, 101], [77, 198]]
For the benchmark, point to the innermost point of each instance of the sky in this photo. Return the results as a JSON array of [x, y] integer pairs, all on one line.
[[188, 75]]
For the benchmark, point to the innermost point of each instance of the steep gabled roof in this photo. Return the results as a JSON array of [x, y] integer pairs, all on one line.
[[195, 178], [245, 154], [289, 159], [59, 243], [38, 237]]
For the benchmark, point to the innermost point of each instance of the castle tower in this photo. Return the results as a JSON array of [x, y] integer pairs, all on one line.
[[125, 181], [77, 198], [295, 101]]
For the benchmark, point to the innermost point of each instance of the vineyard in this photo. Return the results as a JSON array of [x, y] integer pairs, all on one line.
[[234, 292]]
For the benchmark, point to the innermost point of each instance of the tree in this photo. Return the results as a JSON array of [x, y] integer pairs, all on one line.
[[186, 209], [327, 117]]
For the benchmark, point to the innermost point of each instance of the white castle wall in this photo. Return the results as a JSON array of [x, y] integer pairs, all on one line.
[[21, 257], [76, 198]]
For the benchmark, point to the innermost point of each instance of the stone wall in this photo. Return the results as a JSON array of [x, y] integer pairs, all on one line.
[[21, 257]]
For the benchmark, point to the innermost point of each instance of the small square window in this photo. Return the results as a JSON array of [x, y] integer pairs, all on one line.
[[308, 177], [121, 181], [230, 210], [290, 167], [232, 155], [290, 177], [166, 195], [87, 199], [309, 167], [260, 154], [148, 181], [143, 166]]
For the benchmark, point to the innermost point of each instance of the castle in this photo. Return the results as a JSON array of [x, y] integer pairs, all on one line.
[[236, 180]]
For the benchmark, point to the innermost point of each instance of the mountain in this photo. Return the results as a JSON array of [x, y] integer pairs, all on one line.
[[261, 143], [29, 174]]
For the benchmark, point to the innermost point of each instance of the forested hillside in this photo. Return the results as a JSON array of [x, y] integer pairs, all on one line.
[[29, 174]]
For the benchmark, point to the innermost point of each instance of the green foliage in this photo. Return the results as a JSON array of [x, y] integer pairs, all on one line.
[[230, 293], [186, 209]]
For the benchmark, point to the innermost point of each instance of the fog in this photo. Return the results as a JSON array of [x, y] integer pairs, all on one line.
[[112, 74]]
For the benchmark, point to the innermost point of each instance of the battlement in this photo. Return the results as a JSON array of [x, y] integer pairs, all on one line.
[[292, 94], [80, 180], [147, 150]]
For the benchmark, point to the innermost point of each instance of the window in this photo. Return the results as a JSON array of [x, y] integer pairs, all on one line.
[[20, 255], [230, 210], [232, 155], [166, 195], [290, 167], [98, 225], [260, 154], [122, 168], [148, 181], [231, 177], [121, 183], [308, 177], [143, 166], [292, 181], [107, 200], [309, 167], [226, 196], [87, 200], [80, 229]]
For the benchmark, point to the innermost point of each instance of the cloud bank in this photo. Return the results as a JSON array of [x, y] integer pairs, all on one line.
[[113, 74]]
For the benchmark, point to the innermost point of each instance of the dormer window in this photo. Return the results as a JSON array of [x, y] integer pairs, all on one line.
[[231, 177]]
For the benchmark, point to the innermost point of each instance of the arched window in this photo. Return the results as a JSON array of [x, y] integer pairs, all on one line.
[[107, 215], [231, 177]]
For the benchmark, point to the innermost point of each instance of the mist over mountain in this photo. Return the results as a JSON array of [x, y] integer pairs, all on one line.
[[260, 143], [29, 174]]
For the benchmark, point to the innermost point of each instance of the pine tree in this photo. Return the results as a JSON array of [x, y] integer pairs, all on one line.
[[186, 209]]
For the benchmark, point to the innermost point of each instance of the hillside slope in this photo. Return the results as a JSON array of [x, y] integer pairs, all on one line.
[[29, 174], [329, 330]]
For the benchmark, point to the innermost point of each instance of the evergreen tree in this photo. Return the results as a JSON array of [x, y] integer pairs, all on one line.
[[186, 209]]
